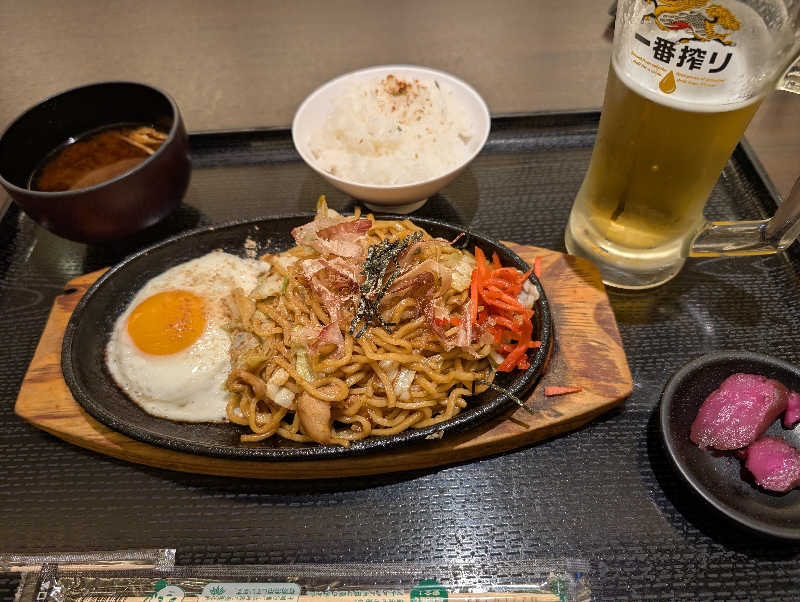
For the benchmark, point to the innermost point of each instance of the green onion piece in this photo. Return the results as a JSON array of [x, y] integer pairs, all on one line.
[[284, 285]]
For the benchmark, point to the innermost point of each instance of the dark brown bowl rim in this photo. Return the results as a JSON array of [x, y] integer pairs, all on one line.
[[176, 122]]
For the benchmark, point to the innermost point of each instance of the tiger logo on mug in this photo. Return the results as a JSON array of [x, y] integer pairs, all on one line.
[[693, 17]]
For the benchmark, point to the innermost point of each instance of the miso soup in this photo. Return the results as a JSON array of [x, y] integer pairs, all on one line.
[[95, 157]]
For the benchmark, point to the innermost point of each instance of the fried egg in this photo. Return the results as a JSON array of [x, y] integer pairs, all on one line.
[[169, 350]]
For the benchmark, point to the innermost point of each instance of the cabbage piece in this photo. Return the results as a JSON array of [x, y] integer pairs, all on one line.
[[270, 285], [303, 366], [462, 272], [529, 295], [402, 384], [277, 392], [390, 368]]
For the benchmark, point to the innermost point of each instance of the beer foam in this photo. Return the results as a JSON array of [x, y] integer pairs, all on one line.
[[698, 105]]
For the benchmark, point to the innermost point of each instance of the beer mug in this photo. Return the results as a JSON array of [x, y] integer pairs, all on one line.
[[685, 79]]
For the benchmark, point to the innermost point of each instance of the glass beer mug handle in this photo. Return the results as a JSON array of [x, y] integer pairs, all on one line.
[[761, 237], [790, 82]]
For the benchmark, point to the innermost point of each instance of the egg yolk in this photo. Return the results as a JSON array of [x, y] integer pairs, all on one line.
[[167, 322]]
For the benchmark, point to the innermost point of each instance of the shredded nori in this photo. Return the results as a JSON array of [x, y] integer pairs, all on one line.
[[500, 389], [376, 281]]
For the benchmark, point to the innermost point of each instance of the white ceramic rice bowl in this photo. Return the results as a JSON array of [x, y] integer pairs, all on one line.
[[314, 110]]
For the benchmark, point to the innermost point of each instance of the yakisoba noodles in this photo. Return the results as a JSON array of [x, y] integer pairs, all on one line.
[[368, 328]]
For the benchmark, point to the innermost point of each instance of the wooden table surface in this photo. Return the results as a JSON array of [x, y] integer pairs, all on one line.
[[239, 64]]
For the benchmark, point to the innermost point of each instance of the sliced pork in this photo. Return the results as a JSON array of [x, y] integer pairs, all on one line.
[[332, 284], [315, 417], [774, 463], [739, 412], [334, 236], [330, 334]]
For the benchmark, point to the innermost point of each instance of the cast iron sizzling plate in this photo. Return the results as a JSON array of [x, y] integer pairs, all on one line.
[[89, 328], [720, 477]]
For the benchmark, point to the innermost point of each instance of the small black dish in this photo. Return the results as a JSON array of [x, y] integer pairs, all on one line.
[[718, 477], [85, 372], [117, 207]]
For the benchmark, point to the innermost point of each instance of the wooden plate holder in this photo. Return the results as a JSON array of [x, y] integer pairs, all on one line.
[[587, 353]]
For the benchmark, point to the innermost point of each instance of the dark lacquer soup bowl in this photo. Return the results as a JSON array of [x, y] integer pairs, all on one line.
[[109, 209]]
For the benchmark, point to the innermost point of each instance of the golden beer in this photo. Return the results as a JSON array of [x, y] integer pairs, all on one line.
[[685, 80], [653, 168]]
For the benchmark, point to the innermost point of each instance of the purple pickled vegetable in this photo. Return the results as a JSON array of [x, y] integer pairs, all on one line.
[[792, 414], [738, 412], [774, 463]]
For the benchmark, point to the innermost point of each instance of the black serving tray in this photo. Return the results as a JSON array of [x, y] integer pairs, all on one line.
[[605, 494]]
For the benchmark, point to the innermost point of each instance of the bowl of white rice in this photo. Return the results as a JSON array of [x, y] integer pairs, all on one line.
[[391, 136]]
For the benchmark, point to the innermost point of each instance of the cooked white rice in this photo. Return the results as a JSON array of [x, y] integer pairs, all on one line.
[[393, 131]]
